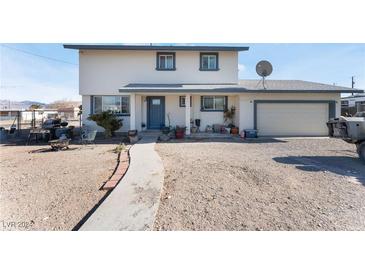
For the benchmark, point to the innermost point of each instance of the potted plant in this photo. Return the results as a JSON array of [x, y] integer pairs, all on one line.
[[229, 114], [209, 129], [180, 132], [228, 117], [234, 130], [165, 130]]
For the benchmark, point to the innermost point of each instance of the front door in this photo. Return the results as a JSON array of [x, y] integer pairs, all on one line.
[[155, 112]]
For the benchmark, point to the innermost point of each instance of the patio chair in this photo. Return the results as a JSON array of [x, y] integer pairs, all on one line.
[[88, 136]]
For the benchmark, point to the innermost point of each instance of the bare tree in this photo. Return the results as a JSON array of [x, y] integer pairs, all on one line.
[[63, 104]]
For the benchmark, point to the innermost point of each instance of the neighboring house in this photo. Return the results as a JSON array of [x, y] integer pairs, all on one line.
[[68, 113], [27, 115], [153, 86], [352, 104], [25, 118]]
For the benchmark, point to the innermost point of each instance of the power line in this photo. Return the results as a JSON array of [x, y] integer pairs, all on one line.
[[41, 56]]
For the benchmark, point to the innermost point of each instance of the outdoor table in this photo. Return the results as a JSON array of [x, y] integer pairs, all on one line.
[[37, 133]]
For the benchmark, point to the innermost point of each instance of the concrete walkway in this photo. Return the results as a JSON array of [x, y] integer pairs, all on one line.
[[133, 204]]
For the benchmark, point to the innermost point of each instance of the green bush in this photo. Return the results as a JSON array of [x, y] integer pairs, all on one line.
[[107, 120]]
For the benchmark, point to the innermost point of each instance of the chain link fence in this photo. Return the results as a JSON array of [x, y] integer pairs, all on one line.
[[19, 122]]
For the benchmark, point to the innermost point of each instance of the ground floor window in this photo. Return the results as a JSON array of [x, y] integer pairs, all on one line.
[[213, 103], [116, 104], [182, 101]]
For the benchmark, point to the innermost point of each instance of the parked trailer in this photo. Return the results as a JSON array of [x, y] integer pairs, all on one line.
[[351, 130]]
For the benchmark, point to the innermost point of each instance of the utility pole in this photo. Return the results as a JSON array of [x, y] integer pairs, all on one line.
[[352, 83]]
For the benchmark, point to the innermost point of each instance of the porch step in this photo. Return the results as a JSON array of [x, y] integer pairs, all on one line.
[[204, 135], [153, 133]]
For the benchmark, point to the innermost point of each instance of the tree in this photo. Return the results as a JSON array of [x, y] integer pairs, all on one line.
[[107, 120], [34, 106], [80, 111], [80, 114], [63, 104]]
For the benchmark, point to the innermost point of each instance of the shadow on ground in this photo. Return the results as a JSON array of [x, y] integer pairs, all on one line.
[[224, 140], [76, 141], [44, 150], [340, 165]]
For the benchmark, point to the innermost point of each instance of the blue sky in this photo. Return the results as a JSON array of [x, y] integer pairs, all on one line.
[[25, 76]]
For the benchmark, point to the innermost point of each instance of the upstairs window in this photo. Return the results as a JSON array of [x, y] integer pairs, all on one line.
[[209, 61], [165, 61]]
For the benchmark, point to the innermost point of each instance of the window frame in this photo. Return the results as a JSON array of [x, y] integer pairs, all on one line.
[[225, 103], [345, 103], [184, 105], [120, 103], [158, 54], [209, 54]]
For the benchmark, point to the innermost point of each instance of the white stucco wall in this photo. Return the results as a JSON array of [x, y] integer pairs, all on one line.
[[139, 116], [104, 72], [246, 103]]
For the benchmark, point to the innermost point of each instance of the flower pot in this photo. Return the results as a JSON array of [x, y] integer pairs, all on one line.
[[179, 134], [165, 130], [193, 129], [234, 130]]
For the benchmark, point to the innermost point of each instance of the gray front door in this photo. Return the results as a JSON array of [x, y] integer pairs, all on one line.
[[155, 112]]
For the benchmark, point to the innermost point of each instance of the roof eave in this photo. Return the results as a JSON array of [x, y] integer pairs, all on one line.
[[224, 90], [146, 47]]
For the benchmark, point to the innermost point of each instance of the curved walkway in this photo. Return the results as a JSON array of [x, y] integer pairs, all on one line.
[[133, 204]]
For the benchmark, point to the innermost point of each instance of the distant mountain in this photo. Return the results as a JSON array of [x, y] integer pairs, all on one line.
[[16, 105]]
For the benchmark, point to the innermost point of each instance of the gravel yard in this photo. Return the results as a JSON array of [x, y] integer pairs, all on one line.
[[286, 184], [47, 190]]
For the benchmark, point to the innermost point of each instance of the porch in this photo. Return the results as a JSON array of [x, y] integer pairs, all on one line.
[[155, 111], [196, 135]]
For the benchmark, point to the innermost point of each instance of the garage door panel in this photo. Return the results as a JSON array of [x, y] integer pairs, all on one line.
[[292, 119]]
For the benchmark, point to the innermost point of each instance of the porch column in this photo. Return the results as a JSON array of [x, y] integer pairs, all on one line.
[[132, 117], [187, 113]]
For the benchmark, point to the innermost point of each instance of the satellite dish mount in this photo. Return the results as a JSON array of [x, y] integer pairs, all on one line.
[[263, 69]]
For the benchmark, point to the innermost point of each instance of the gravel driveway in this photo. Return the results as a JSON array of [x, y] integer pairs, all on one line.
[[286, 184], [47, 190]]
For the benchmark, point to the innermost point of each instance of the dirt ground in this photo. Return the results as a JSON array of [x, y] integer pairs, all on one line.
[[286, 184], [47, 190]]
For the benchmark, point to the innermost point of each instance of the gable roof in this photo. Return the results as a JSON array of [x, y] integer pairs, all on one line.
[[244, 86], [154, 47]]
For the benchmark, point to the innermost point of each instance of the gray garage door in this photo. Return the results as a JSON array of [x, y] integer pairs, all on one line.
[[292, 119]]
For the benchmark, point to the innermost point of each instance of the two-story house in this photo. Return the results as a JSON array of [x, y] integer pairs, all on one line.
[[151, 86]]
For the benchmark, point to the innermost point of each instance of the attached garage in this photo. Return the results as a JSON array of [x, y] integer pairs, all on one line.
[[293, 118]]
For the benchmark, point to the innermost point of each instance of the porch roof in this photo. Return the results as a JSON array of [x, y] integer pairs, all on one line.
[[244, 86]]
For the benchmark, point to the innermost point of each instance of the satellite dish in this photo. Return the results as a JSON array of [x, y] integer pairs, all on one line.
[[264, 68]]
